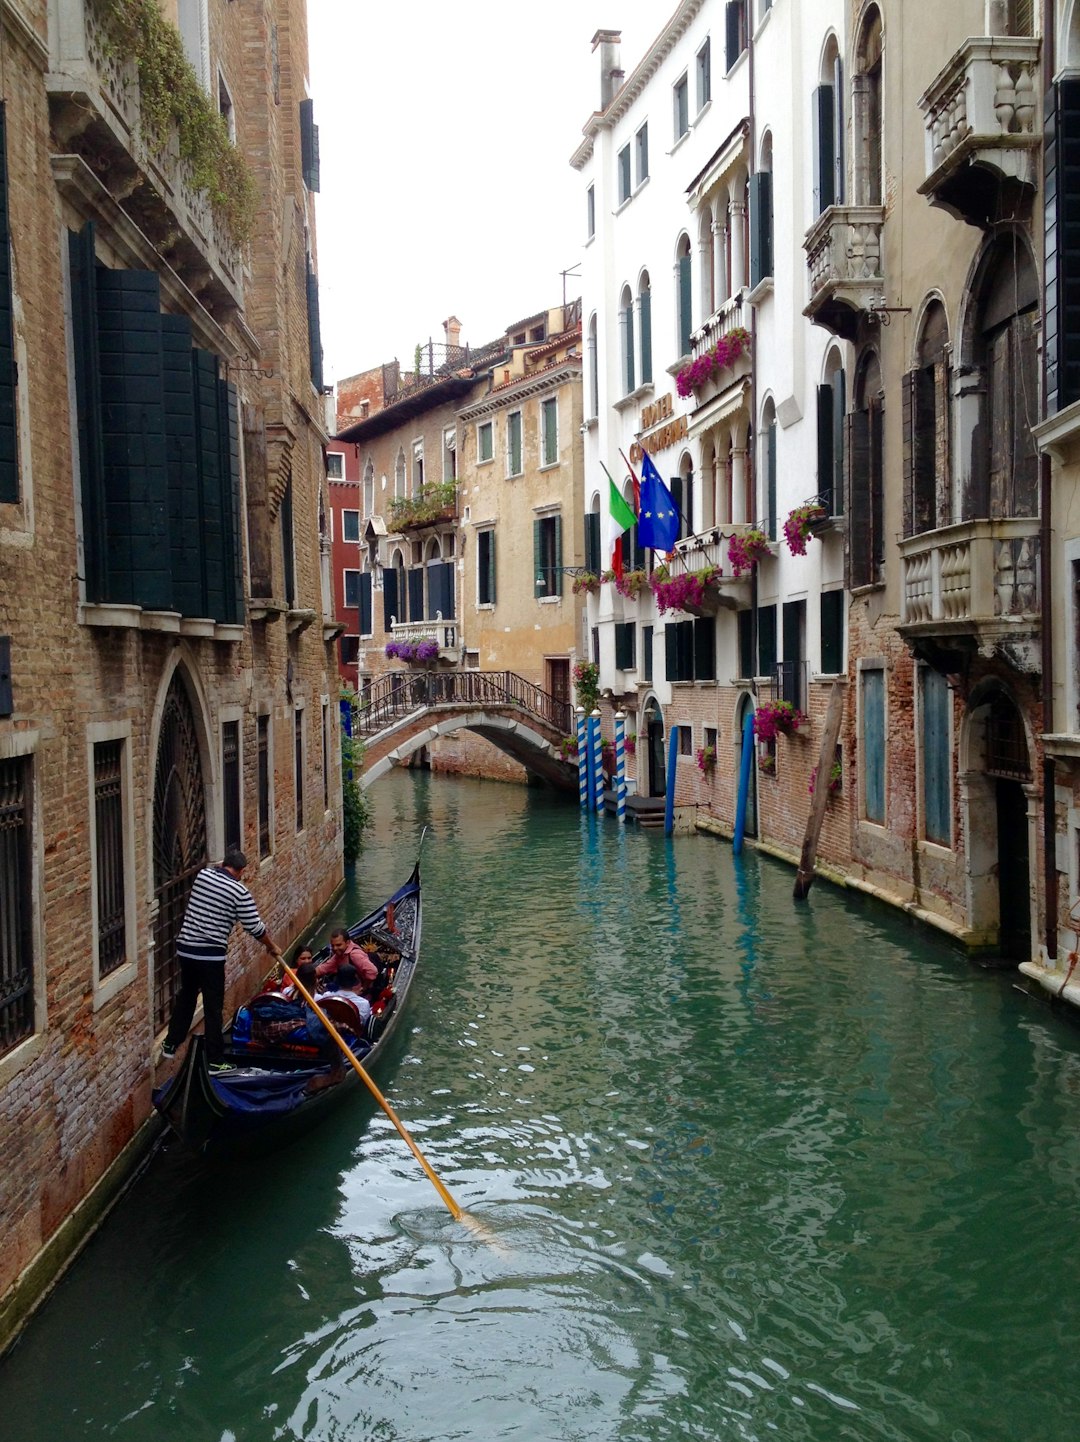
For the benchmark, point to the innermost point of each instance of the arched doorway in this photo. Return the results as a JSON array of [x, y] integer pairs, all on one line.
[[998, 779], [654, 735], [179, 836], [746, 708]]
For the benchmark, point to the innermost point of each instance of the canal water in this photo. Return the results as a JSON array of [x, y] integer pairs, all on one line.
[[741, 1171]]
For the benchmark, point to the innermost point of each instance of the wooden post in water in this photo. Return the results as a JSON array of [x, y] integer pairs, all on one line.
[[804, 877]]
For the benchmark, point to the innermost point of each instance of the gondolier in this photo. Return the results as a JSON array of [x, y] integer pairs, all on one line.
[[219, 901]]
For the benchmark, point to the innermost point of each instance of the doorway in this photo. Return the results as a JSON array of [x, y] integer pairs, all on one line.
[[558, 678], [657, 769]]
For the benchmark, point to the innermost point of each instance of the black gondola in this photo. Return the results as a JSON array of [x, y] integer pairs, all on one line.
[[280, 1083]]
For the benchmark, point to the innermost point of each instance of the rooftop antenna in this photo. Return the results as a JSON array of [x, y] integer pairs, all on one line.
[[574, 270]]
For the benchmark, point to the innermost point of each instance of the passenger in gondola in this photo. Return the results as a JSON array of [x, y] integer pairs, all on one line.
[[305, 970], [344, 951], [350, 988]]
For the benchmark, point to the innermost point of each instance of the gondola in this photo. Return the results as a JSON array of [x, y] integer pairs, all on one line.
[[281, 1084]]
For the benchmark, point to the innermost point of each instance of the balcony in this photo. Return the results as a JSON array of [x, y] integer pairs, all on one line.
[[444, 632], [705, 551], [983, 130], [845, 265], [974, 586], [95, 113], [707, 382], [435, 504]]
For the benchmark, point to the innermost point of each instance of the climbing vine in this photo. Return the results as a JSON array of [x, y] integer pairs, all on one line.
[[170, 94], [356, 810]]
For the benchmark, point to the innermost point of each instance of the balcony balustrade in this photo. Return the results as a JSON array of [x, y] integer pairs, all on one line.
[[731, 315], [444, 632], [845, 266], [95, 112], [983, 129], [710, 548], [975, 584]]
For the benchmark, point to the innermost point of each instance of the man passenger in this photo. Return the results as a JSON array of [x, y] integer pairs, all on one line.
[[344, 951]]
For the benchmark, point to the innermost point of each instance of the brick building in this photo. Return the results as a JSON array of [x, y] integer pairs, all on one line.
[[166, 689]]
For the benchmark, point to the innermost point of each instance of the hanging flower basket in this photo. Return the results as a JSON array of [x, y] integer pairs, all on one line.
[[568, 749], [775, 718], [799, 526], [703, 368], [587, 684], [693, 591], [706, 760], [767, 764], [746, 550], [589, 584], [414, 652], [630, 744], [836, 779]]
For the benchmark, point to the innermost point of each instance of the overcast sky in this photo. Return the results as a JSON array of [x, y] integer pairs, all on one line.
[[446, 129]]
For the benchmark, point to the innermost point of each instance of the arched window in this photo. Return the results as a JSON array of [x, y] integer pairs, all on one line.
[[866, 94], [828, 130], [709, 499], [645, 326], [682, 490], [709, 281], [400, 476], [684, 296], [926, 428], [594, 374], [864, 454], [626, 340], [369, 489], [831, 404], [766, 506], [761, 216]]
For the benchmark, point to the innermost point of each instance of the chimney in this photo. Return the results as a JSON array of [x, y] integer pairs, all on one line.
[[611, 73], [452, 327]]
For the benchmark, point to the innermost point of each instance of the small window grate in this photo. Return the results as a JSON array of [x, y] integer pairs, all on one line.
[[1006, 745]]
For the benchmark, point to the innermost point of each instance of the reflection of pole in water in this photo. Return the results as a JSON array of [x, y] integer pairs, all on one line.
[[745, 905]]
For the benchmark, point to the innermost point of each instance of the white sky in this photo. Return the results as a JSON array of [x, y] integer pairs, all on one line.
[[445, 133]]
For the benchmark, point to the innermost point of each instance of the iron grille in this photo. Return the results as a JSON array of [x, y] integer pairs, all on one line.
[[1006, 744], [230, 782], [16, 940], [264, 785], [109, 837], [298, 763]]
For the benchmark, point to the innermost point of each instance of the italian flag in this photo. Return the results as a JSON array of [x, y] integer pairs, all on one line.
[[622, 517]]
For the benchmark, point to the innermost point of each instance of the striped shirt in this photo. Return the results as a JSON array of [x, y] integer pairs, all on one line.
[[217, 903]]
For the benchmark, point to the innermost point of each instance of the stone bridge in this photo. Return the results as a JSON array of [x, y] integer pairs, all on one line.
[[403, 711]]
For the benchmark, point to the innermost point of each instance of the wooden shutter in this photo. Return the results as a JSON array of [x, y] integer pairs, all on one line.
[[624, 645], [770, 480], [908, 386], [9, 444], [491, 565], [832, 632], [873, 748], [539, 577], [671, 652], [767, 641], [733, 32], [877, 486], [825, 469], [761, 259], [557, 578], [83, 266], [1024, 404], [390, 598], [857, 455], [185, 511], [839, 412], [233, 579], [365, 603], [213, 539], [446, 592], [685, 309], [646, 336], [824, 127], [647, 653], [1061, 234], [309, 145], [415, 583], [593, 560], [288, 543], [746, 643], [133, 438], [704, 638], [314, 328]]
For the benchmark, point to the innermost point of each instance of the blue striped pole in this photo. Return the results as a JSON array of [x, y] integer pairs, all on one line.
[[620, 766], [598, 762], [582, 761]]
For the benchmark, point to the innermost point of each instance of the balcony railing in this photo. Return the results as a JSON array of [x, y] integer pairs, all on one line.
[[445, 632], [728, 316], [710, 548], [95, 105], [978, 576], [845, 266], [982, 126]]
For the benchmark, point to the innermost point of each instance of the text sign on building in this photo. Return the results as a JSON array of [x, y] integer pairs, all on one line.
[[670, 429]]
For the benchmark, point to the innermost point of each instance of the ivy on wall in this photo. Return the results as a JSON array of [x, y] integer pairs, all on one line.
[[170, 95]]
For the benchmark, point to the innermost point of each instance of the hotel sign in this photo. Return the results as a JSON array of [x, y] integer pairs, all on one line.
[[669, 430]]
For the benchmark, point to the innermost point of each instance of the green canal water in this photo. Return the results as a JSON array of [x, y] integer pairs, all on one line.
[[745, 1170]]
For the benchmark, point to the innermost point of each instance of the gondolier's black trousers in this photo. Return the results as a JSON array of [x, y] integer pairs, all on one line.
[[209, 978]]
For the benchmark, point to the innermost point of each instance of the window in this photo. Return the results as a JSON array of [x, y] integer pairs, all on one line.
[[110, 856], [645, 327], [288, 550], [685, 295], [704, 75], [624, 174], [735, 30], [485, 442], [485, 568], [682, 492], [647, 654], [590, 212], [746, 645], [352, 589], [449, 455], [225, 107], [314, 323], [926, 429], [16, 901], [766, 657], [298, 764], [9, 450], [832, 633], [350, 650], [867, 116], [593, 560], [594, 374], [768, 469], [831, 403], [686, 740], [549, 431], [263, 766], [399, 476], [191, 21], [417, 468], [864, 456], [547, 556], [873, 744], [626, 339], [513, 444], [231, 785], [369, 490], [690, 650], [791, 671], [350, 526], [641, 152], [625, 641], [827, 118], [309, 145], [326, 755], [680, 98], [759, 190], [335, 466], [936, 714], [365, 604]]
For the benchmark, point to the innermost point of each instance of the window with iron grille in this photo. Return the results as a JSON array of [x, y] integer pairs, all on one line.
[[109, 839], [230, 784], [264, 784], [686, 740], [326, 755], [16, 936], [298, 763]]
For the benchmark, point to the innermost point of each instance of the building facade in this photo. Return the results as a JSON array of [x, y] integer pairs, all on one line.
[[165, 689]]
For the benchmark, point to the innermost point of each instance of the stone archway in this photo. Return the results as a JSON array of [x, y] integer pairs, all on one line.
[[179, 835]]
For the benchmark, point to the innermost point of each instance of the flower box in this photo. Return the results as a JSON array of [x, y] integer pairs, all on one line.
[[775, 718], [693, 591]]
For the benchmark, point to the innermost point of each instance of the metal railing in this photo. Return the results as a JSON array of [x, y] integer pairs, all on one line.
[[400, 693]]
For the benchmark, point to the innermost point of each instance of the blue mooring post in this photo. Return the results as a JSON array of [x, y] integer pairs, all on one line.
[[598, 762], [582, 761], [620, 767], [672, 760], [590, 728]]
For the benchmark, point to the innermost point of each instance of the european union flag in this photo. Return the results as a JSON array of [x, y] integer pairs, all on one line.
[[658, 518]]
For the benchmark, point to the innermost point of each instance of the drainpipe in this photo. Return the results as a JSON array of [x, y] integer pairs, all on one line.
[[752, 148], [1049, 779]]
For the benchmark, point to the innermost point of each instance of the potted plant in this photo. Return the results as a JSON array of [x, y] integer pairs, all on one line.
[[773, 718], [706, 760], [836, 778], [767, 764], [630, 743], [568, 748], [587, 583], [693, 591], [424, 650], [799, 526], [744, 551], [587, 684], [631, 584], [703, 368]]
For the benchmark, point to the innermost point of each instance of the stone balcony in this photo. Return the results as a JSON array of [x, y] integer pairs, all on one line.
[[974, 586], [710, 548], [95, 113], [983, 129], [727, 380], [445, 632], [845, 267]]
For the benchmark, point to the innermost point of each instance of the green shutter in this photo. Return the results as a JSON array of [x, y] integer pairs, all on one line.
[[309, 145], [390, 598], [770, 480], [825, 446], [824, 127], [183, 465], [936, 757], [646, 336], [84, 338], [232, 501], [9, 443], [685, 310], [761, 225], [557, 578], [647, 653], [365, 603], [767, 641], [873, 748], [832, 632], [212, 538], [314, 328], [857, 456], [133, 438], [671, 652], [839, 410], [704, 636], [593, 562], [539, 579]]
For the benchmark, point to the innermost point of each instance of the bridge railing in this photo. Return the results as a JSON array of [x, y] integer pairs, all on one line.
[[399, 693]]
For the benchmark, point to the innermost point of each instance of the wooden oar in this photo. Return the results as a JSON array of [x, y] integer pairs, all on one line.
[[451, 1206]]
